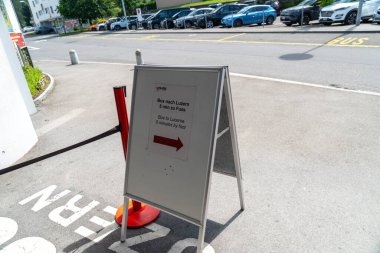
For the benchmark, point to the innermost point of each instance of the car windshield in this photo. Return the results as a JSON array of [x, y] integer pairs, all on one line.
[[217, 9], [307, 2], [193, 13], [150, 17]]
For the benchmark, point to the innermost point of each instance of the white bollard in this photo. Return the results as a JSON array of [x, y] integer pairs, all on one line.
[[74, 57], [139, 59]]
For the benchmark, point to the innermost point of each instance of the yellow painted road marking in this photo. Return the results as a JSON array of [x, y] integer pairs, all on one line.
[[348, 41], [224, 40], [230, 37], [151, 37]]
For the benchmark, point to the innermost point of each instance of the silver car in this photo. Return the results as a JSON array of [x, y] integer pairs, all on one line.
[[376, 16]]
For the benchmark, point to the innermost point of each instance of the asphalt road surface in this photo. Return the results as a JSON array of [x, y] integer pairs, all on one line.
[[348, 61], [309, 154]]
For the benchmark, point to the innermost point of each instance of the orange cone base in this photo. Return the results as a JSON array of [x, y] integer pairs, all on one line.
[[137, 219]]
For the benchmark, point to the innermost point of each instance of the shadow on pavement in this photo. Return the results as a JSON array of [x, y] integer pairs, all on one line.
[[305, 55], [179, 230]]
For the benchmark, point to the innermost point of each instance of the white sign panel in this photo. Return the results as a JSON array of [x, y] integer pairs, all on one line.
[[139, 16], [179, 115], [171, 120]]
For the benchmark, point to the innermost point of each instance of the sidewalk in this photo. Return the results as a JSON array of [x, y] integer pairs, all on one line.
[[310, 161]]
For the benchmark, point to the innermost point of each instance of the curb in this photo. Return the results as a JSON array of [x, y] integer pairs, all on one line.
[[204, 31], [44, 94]]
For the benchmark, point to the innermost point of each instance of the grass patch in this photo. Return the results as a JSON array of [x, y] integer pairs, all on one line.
[[207, 2], [33, 77]]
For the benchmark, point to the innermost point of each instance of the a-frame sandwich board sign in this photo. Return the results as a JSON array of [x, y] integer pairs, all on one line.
[[182, 128]]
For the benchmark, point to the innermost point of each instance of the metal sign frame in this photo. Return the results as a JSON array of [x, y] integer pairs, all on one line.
[[223, 88]]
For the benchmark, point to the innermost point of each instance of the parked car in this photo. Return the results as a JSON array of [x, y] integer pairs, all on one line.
[[43, 30], [189, 20], [249, 15], [376, 16], [134, 24], [345, 12], [214, 18], [94, 26], [215, 5], [169, 22], [122, 24], [273, 3], [28, 29], [110, 21], [250, 2], [101, 26], [154, 22], [293, 15]]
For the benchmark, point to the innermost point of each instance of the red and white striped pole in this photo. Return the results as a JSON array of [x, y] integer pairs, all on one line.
[[139, 214]]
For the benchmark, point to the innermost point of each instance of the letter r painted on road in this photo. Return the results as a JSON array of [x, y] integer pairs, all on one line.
[[78, 212]]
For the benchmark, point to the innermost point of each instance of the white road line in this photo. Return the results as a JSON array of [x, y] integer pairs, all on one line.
[[60, 121], [91, 62], [304, 84], [101, 222], [33, 48], [85, 232], [38, 41], [247, 76], [111, 210]]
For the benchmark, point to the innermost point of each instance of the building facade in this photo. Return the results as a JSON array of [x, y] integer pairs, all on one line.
[[45, 12]]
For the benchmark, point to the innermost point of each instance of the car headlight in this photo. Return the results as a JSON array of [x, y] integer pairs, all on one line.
[[341, 9]]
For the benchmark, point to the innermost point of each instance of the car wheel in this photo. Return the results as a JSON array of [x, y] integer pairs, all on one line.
[[238, 23], [350, 18], [326, 24], [288, 24], [378, 23], [306, 20], [259, 24], [366, 20], [269, 20], [133, 27], [117, 28], [187, 24], [156, 26], [101, 28], [210, 24]]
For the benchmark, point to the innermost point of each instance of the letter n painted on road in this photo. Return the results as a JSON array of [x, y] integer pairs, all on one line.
[[44, 200]]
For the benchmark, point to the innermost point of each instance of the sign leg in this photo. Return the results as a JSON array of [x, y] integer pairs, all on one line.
[[124, 220], [240, 188], [201, 238]]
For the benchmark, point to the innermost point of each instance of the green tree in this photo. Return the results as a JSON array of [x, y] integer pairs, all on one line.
[[130, 6], [22, 12], [84, 10]]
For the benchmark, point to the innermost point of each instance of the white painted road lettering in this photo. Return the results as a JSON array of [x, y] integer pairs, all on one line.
[[9, 227], [78, 212], [44, 200]]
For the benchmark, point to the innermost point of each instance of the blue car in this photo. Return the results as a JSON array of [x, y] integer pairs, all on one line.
[[249, 15]]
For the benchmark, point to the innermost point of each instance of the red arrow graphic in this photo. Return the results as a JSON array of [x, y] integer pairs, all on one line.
[[168, 142]]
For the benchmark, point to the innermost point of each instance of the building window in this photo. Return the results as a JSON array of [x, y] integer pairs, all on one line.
[[51, 8], [37, 15], [33, 4], [46, 10]]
